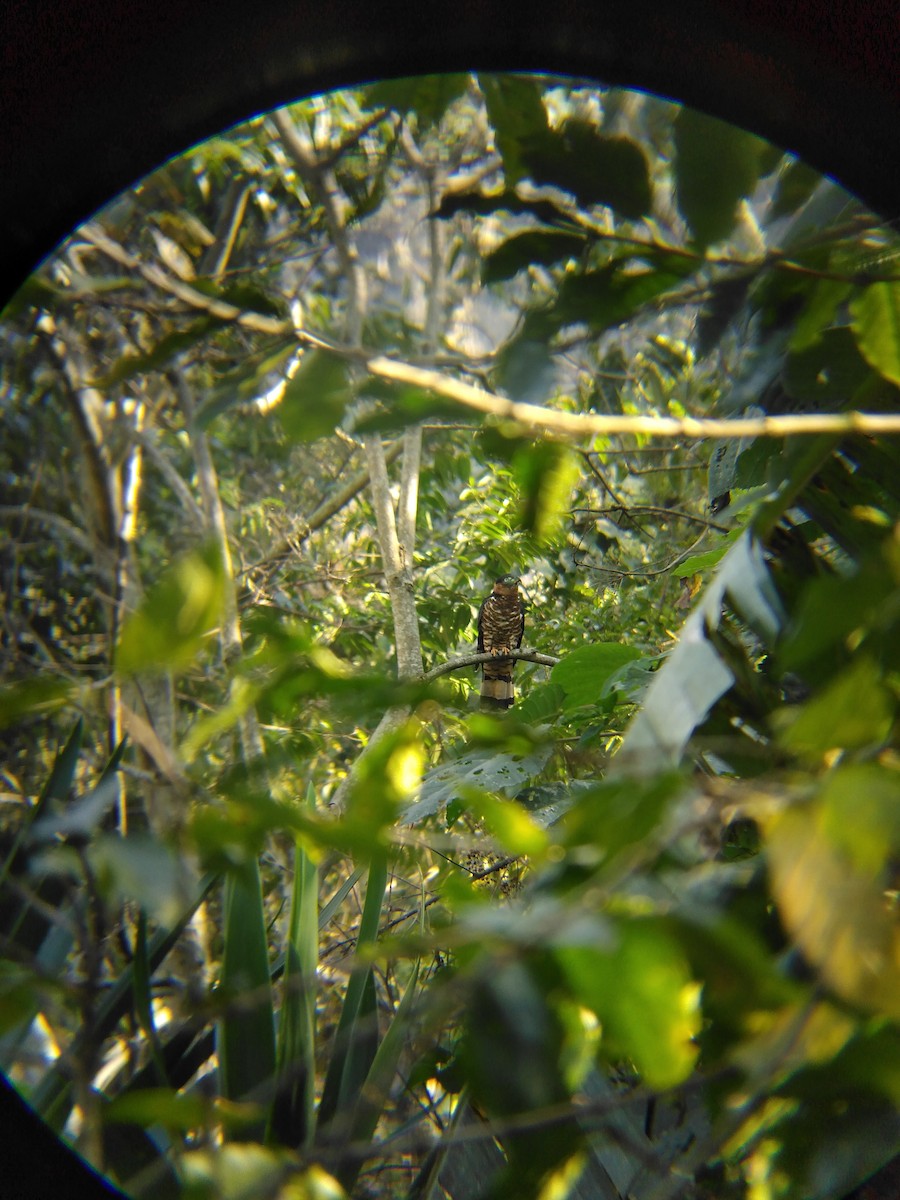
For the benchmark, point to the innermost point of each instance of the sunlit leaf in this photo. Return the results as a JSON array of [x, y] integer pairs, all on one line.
[[546, 474], [643, 992], [861, 813], [177, 617], [515, 830], [834, 910], [236, 1172], [876, 323], [855, 710]]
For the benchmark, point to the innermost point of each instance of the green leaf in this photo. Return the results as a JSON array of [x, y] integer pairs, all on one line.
[[356, 1039], [516, 831], [619, 814], [546, 474], [177, 617], [695, 675], [817, 316], [834, 910], [643, 991], [876, 323], [861, 813], [246, 1032], [534, 247], [828, 371], [427, 96], [610, 295], [594, 167], [716, 165], [487, 204], [33, 698], [795, 185], [855, 711], [316, 398], [698, 563], [516, 110], [583, 673], [293, 1112], [482, 770]]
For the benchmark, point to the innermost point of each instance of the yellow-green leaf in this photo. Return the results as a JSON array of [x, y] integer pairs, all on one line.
[[876, 323]]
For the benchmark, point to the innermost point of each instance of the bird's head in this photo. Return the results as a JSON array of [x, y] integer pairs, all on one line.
[[508, 581]]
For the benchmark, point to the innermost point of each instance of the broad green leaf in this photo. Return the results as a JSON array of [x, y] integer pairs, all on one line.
[[177, 1111], [861, 813], [246, 1032], [643, 991], [609, 295], [317, 396], [482, 770], [826, 372], [486, 204], [546, 474], [614, 816], [178, 616], [515, 830], [716, 165], [698, 563], [594, 167], [516, 110], [538, 247], [372, 1096], [876, 323], [583, 673], [819, 312], [834, 910], [854, 711], [426, 96], [541, 704]]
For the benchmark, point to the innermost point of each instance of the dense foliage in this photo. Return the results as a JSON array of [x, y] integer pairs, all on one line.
[[282, 912]]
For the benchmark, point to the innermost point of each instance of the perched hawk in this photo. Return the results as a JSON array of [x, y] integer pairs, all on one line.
[[501, 623]]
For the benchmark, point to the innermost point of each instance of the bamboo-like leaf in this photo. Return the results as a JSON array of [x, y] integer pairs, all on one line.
[[374, 1092], [293, 1113], [352, 1044], [246, 1035]]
